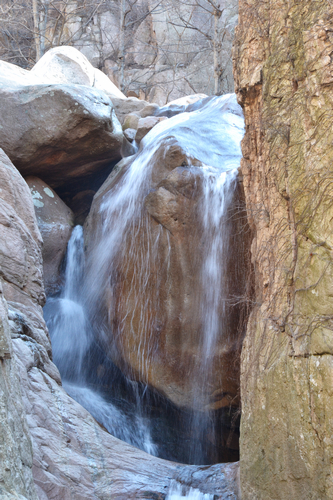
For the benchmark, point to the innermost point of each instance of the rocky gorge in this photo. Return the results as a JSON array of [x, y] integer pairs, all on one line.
[[190, 289], [63, 452]]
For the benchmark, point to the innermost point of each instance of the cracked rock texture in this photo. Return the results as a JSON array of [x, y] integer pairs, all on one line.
[[284, 80]]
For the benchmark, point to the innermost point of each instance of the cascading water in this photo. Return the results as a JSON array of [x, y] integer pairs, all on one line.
[[71, 338], [218, 192], [120, 308], [66, 317]]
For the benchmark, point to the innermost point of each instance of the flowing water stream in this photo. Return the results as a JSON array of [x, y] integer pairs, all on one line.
[[210, 135]]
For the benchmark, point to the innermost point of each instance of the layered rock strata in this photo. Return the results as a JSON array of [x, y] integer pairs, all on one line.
[[284, 75]]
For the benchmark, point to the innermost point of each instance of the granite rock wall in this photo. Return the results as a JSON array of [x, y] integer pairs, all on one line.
[[284, 79]]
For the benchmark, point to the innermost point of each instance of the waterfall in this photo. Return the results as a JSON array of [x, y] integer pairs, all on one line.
[[66, 317], [218, 192], [125, 250], [71, 338]]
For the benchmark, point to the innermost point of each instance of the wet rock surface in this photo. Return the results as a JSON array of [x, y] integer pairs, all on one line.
[[162, 319], [75, 458]]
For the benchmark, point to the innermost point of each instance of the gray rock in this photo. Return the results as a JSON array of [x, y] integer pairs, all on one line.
[[20, 239], [131, 121], [145, 125], [76, 459], [15, 444], [149, 110], [58, 132], [55, 222], [130, 134], [68, 65], [125, 107]]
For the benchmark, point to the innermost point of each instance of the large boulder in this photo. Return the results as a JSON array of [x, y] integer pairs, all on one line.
[[55, 222], [58, 132], [165, 314], [18, 74], [147, 278]]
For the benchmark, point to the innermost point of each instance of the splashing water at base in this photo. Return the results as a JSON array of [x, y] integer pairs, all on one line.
[[132, 430], [178, 491]]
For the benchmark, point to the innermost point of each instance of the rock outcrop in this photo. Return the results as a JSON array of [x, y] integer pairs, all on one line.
[[55, 221], [15, 444], [21, 242], [283, 72]]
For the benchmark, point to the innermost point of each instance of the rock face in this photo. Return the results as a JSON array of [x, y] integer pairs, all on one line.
[[75, 458], [168, 46], [283, 72], [55, 222], [58, 132], [15, 444], [162, 50], [20, 251], [21, 283]]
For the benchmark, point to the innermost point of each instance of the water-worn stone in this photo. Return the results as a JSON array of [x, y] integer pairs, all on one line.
[[283, 71], [20, 281], [124, 108], [58, 132], [149, 110], [75, 458], [55, 222], [131, 121], [49, 443], [20, 241], [130, 134]]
